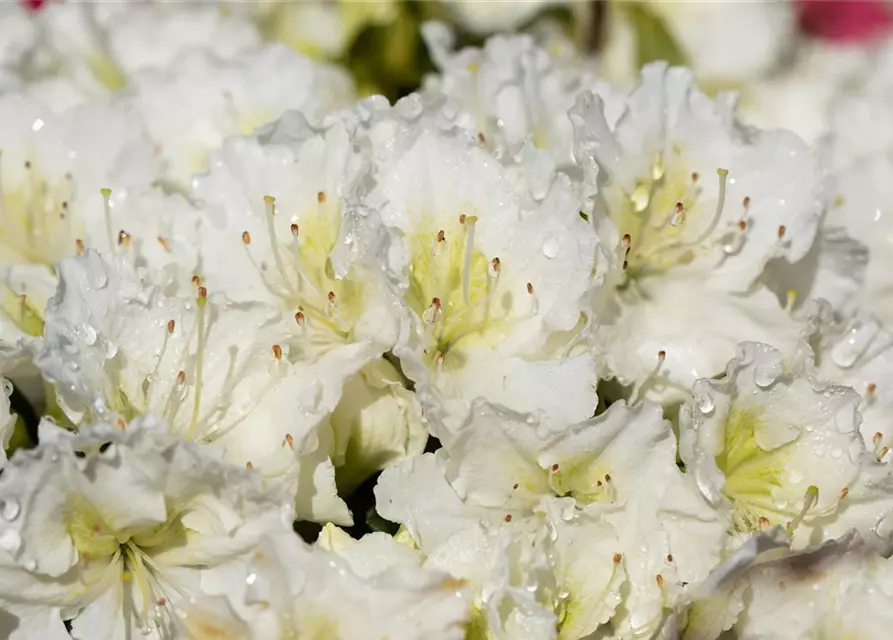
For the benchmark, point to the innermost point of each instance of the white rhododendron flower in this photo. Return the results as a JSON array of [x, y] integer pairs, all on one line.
[[290, 589], [516, 351], [115, 529], [690, 205], [191, 106], [512, 91], [494, 271], [609, 468], [216, 371], [66, 184], [98, 47], [775, 445]]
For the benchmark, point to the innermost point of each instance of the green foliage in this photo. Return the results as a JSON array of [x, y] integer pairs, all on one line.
[[653, 39]]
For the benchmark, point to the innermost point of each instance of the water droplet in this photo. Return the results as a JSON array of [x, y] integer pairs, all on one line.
[[10, 509], [88, 334], [10, 541], [111, 349], [705, 402], [551, 247], [765, 374], [857, 340]]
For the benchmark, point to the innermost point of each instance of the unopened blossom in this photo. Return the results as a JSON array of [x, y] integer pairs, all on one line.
[[290, 589], [690, 206], [493, 265], [199, 99], [114, 529], [774, 444]]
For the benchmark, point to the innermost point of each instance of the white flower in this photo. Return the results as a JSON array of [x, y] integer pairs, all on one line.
[[774, 444], [495, 268], [53, 169], [191, 105], [619, 474], [512, 91], [376, 424], [690, 207], [838, 589], [293, 590], [100, 47], [215, 371], [17, 35], [118, 527]]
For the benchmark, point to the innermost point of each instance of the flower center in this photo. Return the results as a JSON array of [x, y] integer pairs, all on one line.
[[325, 306], [37, 225], [665, 222], [453, 288]]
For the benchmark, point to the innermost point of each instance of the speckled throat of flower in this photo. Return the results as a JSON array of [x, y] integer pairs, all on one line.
[[455, 290], [302, 277]]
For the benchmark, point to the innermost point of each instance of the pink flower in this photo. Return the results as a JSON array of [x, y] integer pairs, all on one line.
[[845, 20]]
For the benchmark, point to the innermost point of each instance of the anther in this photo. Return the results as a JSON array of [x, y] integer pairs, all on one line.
[[529, 288], [321, 196], [742, 225], [482, 140], [249, 465], [290, 441], [164, 242], [299, 318], [332, 299], [277, 352], [870, 389], [843, 493], [246, 238], [123, 238], [746, 202], [181, 378], [121, 423], [495, 264], [196, 281], [441, 236], [79, 247], [294, 229], [618, 558], [462, 218], [878, 436], [202, 297], [695, 176], [660, 581], [661, 356], [508, 517], [171, 324], [781, 231], [763, 523], [669, 557], [608, 478], [882, 453], [678, 216], [626, 243], [554, 468]]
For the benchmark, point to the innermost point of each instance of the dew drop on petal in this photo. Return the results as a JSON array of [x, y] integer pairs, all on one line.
[[10, 541], [10, 509], [550, 248], [705, 402]]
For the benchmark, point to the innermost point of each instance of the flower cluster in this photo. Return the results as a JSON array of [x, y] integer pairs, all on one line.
[[526, 354]]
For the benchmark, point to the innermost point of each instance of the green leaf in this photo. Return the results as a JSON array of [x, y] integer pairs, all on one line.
[[376, 523], [653, 39]]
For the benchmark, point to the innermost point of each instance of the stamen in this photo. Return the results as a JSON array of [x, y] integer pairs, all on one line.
[[201, 301], [123, 238], [171, 324], [249, 465], [469, 250], [107, 208], [843, 493], [720, 205], [809, 501], [617, 559], [494, 269], [294, 230], [277, 352], [763, 523], [299, 318], [290, 441], [246, 238], [626, 244], [434, 312], [79, 246], [781, 231], [660, 581], [507, 518], [164, 242], [196, 281], [878, 436], [321, 197], [270, 203]]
